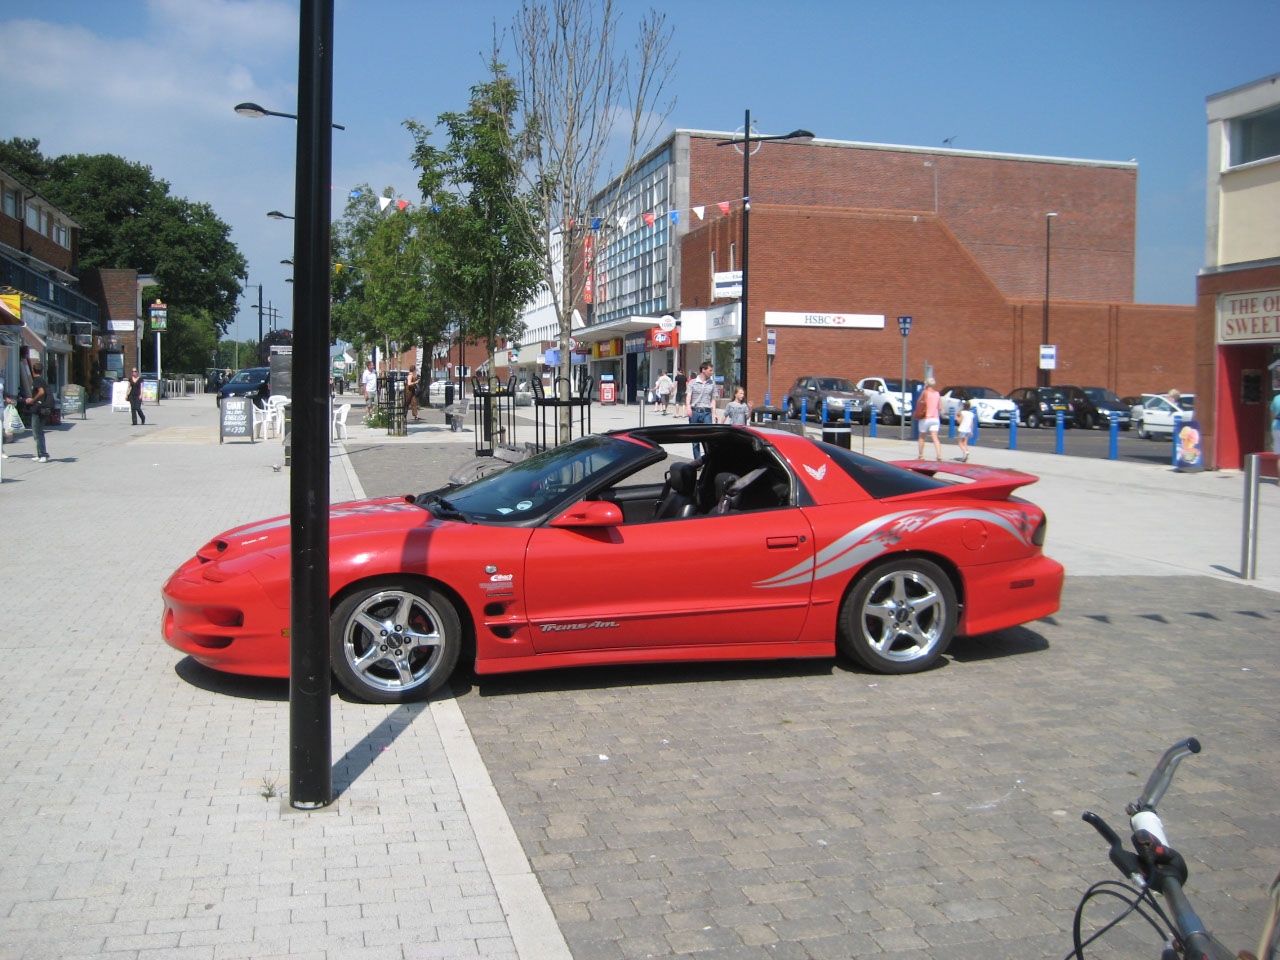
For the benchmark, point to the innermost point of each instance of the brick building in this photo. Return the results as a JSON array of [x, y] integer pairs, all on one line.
[[956, 239]]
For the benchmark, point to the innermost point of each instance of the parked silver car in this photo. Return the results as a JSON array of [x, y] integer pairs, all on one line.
[[808, 394]]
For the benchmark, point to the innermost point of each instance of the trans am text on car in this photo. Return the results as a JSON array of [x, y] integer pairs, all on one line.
[[617, 548]]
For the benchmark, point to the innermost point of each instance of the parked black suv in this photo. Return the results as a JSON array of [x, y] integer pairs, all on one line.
[[1095, 406]]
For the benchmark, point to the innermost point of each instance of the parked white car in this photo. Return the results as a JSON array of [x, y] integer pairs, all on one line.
[[992, 409], [1154, 416], [886, 399]]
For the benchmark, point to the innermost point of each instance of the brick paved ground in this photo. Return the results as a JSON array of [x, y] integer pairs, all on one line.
[[810, 810]]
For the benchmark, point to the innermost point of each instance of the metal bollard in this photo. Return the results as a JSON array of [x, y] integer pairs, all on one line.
[[1113, 447], [767, 401], [1177, 428], [804, 410], [1061, 432], [973, 437], [824, 410], [1249, 540], [1013, 431], [873, 418], [951, 426]]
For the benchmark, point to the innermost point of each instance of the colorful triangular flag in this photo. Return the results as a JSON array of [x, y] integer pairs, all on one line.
[[623, 221], [595, 223], [724, 207], [699, 211], [401, 204], [675, 216], [648, 219], [384, 202], [355, 193]]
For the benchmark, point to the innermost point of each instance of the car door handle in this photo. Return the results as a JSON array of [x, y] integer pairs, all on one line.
[[780, 543]]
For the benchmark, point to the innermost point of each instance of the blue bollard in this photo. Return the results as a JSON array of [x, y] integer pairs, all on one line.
[[1113, 449], [825, 417], [973, 437], [874, 420], [804, 409], [951, 429], [767, 403], [1061, 421], [1177, 426], [1013, 431]]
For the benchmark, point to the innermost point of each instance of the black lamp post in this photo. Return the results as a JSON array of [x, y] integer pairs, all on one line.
[[1043, 378], [277, 215], [795, 136]]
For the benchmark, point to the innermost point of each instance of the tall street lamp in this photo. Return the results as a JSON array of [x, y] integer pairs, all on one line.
[[744, 144], [277, 215], [1043, 378]]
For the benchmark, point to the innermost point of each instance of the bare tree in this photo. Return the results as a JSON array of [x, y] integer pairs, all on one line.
[[585, 105]]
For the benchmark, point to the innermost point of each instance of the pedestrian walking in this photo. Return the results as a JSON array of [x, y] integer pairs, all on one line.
[[369, 383], [662, 388], [39, 407], [737, 410], [411, 391], [135, 398], [927, 419], [964, 430], [700, 401], [681, 382]]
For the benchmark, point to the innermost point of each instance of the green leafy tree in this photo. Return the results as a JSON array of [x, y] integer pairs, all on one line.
[[476, 215], [130, 219]]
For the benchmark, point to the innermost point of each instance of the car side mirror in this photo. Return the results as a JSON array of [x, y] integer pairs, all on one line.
[[590, 513]]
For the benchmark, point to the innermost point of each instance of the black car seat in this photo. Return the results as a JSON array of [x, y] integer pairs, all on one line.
[[677, 497], [730, 488]]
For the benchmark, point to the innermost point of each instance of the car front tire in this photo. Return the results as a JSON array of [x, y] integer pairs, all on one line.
[[1033, 421], [394, 641], [887, 416], [899, 617]]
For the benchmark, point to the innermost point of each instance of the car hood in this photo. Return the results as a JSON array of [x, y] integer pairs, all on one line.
[[357, 517], [843, 394], [1111, 407]]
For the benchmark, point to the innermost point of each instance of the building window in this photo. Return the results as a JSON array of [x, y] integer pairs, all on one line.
[[11, 202], [1256, 137], [61, 236], [732, 252], [33, 217]]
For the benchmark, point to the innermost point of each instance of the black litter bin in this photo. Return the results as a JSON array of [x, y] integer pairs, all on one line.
[[839, 434], [766, 414], [448, 393]]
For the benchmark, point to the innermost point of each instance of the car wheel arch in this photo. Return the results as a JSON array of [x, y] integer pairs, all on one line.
[[460, 608], [946, 564]]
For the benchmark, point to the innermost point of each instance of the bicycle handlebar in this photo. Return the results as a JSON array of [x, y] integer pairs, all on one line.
[[1162, 775]]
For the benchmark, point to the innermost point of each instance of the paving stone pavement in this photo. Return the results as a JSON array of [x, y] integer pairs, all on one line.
[[797, 809]]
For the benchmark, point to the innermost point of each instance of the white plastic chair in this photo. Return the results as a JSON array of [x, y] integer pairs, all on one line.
[[275, 408], [340, 421], [262, 420]]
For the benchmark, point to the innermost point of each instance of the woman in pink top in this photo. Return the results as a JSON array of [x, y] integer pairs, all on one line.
[[930, 423]]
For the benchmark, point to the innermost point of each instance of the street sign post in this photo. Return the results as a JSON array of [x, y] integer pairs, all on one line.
[[159, 322], [904, 327]]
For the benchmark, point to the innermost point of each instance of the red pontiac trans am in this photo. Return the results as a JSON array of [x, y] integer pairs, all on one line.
[[618, 548]]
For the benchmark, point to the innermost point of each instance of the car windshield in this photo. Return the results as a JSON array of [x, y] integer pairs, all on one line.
[[835, 383], [1053, 396], [529, 489], [1100, 395], [897, 384], [249, 376], [1187, 401], [981, 393]]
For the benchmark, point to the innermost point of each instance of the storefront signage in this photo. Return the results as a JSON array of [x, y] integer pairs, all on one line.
[[863, 321], [1250, 316], [726, 284], [608, 348], [634, 343], [120, 326], [159, 316], [658, 339]]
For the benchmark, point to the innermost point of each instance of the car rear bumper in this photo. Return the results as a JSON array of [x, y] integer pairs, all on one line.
[[1000, 595]]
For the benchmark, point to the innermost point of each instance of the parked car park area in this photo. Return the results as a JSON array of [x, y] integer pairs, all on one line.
[[808, 394], [1154, 416]]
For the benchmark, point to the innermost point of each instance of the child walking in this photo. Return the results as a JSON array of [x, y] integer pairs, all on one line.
[[964, 430], [737, 410]]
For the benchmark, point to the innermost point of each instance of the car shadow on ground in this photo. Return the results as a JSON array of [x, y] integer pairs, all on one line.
[[231, 684], [1013, 642]]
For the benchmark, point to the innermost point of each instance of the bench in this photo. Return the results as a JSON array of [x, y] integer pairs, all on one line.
[[455, 414]]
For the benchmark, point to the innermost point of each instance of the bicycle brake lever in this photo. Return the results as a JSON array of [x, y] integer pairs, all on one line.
[[1126, 861]]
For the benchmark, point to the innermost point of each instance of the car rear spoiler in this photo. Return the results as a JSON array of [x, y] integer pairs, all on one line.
[[985, 483]]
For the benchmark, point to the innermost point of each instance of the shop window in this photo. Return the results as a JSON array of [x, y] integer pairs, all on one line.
[[1256, 137]]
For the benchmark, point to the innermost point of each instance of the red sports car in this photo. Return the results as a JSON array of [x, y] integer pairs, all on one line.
[[620, 548]]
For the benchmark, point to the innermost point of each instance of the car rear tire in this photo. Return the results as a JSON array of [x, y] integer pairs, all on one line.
[[394, 641], [899, 617], [1142, 432], [1033, 421], [887, 416]]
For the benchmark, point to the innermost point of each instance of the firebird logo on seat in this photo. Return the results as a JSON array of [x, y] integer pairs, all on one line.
[[816, 474], [594, 625]]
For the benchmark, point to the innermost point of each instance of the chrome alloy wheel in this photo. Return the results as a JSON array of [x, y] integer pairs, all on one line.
[[904, 616], [392, 641]]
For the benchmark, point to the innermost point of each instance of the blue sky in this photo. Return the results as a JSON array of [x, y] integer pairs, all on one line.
[[155, 81]]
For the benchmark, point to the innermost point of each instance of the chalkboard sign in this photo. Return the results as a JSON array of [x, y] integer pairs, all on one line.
[[120, 395], [235, 418], [73, 400]]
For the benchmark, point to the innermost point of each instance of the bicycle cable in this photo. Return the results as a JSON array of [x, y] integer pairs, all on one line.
[[1134, 898]]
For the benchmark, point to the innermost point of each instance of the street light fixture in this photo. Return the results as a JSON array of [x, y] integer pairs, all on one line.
[[253, 110], [743, 145], [1044, 330], [277, 215]]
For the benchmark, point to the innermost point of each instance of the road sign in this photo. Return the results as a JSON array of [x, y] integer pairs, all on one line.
[[771, 345], [904, 325], [159, 316], [1048, 356]]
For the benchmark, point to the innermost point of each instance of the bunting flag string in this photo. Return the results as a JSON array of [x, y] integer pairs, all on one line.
[[621, 221]]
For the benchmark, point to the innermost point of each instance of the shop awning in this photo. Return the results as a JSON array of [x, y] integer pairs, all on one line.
[[9, 336], [31, 339], [614, 328]]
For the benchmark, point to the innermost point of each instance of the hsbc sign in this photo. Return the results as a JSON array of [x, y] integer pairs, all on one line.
[[863, 321]]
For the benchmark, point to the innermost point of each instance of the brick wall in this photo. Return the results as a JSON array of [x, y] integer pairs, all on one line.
[[116, 293], [16, 234], [995, 206], [866, 262]]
